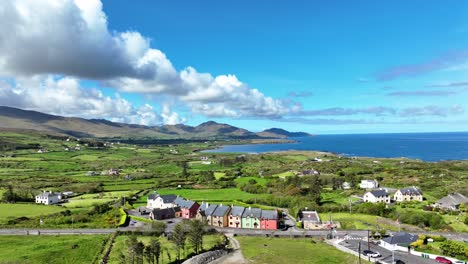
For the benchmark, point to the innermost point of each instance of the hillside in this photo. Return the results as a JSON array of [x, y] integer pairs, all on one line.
[[281, 133], [14, 118]]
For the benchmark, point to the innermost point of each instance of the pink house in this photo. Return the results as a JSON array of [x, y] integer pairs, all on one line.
[[269, 220], [189, 208]]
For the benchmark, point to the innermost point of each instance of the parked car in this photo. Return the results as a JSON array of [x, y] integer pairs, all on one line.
[[461, 262], [399, 261], [371, 253], [443, 260]]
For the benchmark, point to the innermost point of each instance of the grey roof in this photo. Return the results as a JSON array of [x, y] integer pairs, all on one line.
[[453, 199], [411, 191], [207, 209], [252, 212], [47, 194], [168, 198], [310, 216], [270, 214], [237, 211], [401, 238], [182, 203], [379, 193], [165, 211], [153, 196], [221, 210]]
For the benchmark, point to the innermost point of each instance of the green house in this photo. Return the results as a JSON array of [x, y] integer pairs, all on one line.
[[251, 218]]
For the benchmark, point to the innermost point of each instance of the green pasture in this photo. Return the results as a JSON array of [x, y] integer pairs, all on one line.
[[261, 250], [61, 249], [11, 211]]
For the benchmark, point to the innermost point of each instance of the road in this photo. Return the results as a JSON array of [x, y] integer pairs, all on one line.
[[386, 254]]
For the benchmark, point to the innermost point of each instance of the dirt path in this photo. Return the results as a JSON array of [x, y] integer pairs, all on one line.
[[235, 257]]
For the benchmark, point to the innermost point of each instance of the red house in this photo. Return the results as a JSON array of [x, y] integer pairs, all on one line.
[[189, 208], [269, 220]]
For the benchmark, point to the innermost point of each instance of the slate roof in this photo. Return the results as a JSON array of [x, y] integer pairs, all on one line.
[[153, 196], [168, 198], [166, 211], [252, 212], [379, 193], [221, 210], [237, 211], [207, 209], [47, 194], [270, 214], [453, 199], [401, 238], [310, 216], [182, 203], [411, 191]]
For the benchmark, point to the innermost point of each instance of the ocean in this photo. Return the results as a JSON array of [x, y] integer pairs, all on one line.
[[424, 146]]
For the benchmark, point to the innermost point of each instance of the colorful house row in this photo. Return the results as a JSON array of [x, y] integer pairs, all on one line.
[[168, 206], [237, 216]]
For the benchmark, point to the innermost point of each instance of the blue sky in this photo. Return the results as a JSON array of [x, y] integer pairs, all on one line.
[[319, 66]]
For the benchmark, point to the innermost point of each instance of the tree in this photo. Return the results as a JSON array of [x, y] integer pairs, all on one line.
[[149, 255], [195, 234], [158, 227], [466, 219], [462, 207], [135, 250], [178, 238], [155, 247], [9, 196]]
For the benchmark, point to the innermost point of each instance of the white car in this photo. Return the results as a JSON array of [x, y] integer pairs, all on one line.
[[375, 255]]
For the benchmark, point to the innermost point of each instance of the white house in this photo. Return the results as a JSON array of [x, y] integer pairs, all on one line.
[[48, 198], [408, 194], [399, 241], [369, 184], [377, 196], [157, 201], [346, 186]]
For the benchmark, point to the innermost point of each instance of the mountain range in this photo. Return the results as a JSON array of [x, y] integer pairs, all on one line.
[[19, 119]]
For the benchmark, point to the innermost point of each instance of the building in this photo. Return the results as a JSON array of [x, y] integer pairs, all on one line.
[[235, 216], [369, 184], [157, 201], [399, 240], [346, 186], [205, 212], [377, 196], [166, 213], [408, 194], [308, 173], [451, 201], [48, 197], [113, 172], [219, 217], [269, 219], [251, 218], [189, 208], [310, 219]]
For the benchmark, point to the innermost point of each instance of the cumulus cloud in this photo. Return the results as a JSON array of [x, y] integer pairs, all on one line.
[[71, 37], [66, 97]]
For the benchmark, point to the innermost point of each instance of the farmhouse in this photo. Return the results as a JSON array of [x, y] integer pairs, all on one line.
[[235, 216], [113, 172], [451, 201], [156, 201], [408, 194], [189, 208], [269, 220], [205, 212], [251, 218], [308, 173], [309, 219], [166, 213], [48, 198], [377, 196], [369, 184], [399, 240], [220, 216]]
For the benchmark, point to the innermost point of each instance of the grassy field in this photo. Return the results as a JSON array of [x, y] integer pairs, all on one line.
[[456, 222], [168, 248], [228, 194], [10, 211], [363, 221], [50, 249], [260, 250], [261, 181]]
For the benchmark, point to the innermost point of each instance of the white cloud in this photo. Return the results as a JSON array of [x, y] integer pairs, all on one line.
[[71, 38], [65, 96]]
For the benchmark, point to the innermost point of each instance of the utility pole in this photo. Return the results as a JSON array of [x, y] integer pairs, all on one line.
[[368, 238], [359, 251], [350, 203], [393, 256]]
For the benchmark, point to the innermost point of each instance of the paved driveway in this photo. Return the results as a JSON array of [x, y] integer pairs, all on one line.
[[386, 254]]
